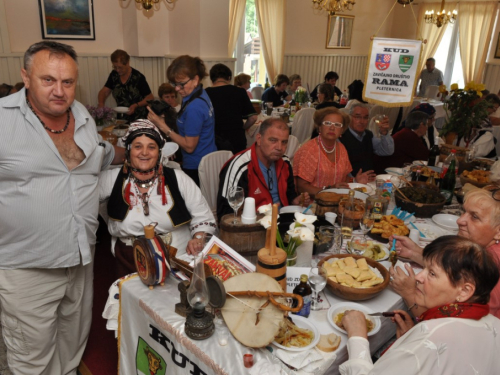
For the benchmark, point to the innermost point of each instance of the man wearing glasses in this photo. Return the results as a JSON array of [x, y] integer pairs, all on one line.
[[361, 144], [263, 171], [128, 86]]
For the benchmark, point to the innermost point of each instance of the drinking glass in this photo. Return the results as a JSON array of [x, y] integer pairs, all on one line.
[[337, 240], [469, 155], [407, 170], [235, 198], [325, 244], [317, 281], [366, 223], [379, 118]]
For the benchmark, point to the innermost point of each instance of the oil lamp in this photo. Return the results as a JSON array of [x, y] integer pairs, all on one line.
[[199, 322]]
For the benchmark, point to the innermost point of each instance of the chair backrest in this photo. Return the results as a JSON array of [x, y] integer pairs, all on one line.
[[303, 124], [257, 92], [208, 171], [431, 92], [292, 147]]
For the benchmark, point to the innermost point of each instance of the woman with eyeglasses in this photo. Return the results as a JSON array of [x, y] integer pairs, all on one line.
[[479, 223], [128, 87], [323, 161], [195, 120]]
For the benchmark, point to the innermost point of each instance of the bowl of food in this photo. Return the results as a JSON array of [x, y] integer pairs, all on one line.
[[337, 311], [354, 277], [368, 249], [386, 227], [297, 336], [477, 178], [425, 173], [424, 202]]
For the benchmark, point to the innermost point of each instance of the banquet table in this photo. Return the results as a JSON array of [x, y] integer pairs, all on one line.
[[148, 319]]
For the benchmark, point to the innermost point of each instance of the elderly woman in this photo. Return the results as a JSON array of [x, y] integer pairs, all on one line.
[[195, 120], [326, 96], [455, 335], [231, 107], [144, 191], [323, 162], [243, 80], [127, 85], [479, 223]]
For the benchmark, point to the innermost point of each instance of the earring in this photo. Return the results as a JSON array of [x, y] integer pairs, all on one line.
[[458, 299], [497, 242]]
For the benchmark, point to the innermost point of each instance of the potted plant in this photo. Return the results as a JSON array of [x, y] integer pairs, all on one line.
[[465, 111], [100, 115]]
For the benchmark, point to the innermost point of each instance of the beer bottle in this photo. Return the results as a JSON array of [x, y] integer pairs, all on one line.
[[303, 289]]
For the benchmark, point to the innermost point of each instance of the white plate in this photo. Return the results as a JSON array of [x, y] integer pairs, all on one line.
[[302, 322], [293, 209], [343, 306], [386, 256], [357, 194], [419, 162], [431, 232], [394, 171], [446, 221], [121, 109], [369, 189], [169, 149]]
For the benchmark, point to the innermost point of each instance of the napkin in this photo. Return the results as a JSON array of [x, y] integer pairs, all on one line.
[[307, 362], [265, 367]]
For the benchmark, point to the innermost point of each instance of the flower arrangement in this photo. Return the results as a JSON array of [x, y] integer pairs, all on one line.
[[301, 95], [465, 109], [300, 231], [100, 115]]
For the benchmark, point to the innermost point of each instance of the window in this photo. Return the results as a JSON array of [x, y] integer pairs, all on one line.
[[448, 57], [248, 52]]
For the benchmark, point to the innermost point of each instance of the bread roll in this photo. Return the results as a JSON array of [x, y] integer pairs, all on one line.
[[328, 343]]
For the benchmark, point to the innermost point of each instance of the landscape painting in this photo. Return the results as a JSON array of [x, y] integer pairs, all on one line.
[[67, 19]]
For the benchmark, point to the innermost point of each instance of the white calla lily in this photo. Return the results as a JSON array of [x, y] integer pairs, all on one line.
[[306, 234], [294, 232], [266, 221], [266, 209], [305, 219]]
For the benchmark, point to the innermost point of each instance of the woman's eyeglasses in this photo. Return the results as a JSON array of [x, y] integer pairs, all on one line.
[[180, 84], [494, 190], [338, 125]]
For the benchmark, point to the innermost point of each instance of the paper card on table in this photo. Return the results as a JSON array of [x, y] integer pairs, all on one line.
[[224, 261]]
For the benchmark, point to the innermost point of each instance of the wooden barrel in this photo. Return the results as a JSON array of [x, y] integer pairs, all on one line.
[[273, 265], [152, 260], [246, 239], [327, 202]]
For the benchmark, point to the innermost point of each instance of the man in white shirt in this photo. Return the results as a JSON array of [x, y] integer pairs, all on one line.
[[50, 159], [430, 76]]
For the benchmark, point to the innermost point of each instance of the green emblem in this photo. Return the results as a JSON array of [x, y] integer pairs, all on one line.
[[148, 361], [405, 62]]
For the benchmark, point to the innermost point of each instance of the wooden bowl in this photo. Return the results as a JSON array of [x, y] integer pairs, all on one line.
[[424, 185], [465, 180], [357, 294], [420, 209]]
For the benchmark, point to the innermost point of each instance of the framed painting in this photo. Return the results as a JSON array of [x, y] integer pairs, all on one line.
[[497, 50], [339, 31], [67, 19]]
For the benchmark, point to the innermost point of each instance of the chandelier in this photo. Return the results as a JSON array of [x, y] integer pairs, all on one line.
[[441, 18], [405, 2], [332, 6]]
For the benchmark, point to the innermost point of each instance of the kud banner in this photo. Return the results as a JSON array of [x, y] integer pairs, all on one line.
[[392, 71]]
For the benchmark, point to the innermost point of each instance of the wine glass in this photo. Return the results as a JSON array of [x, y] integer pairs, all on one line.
[[366, 223], [235, 198], [379, 118], [317, 280]]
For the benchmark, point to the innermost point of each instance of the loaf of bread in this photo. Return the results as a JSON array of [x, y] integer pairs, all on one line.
[[328, 343]]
